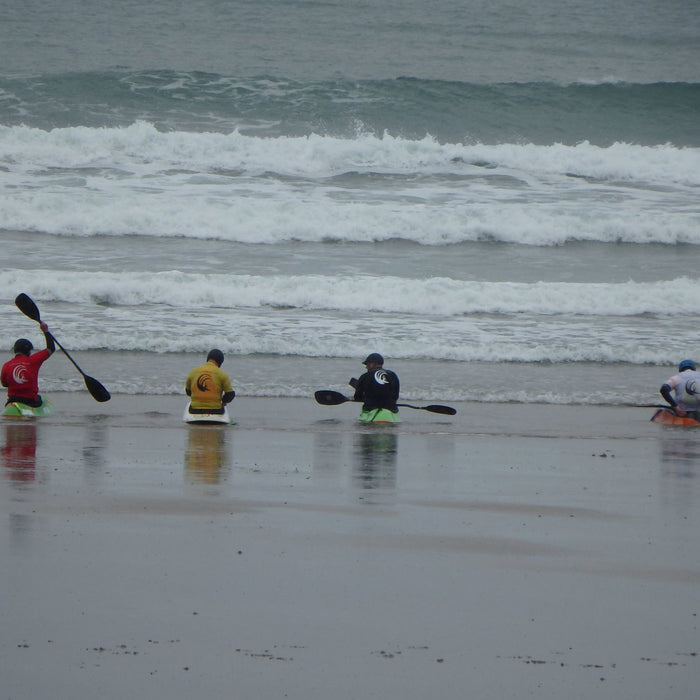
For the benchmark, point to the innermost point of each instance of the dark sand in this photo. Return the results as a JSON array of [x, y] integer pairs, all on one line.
[[508, 552]]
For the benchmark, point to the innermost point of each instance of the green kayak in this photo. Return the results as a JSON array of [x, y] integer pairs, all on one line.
[[379, 415], [21, 410]]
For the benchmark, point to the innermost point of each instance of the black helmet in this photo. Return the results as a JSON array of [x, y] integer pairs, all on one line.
[[684, 364], [22, 346], [374, 357], [217, 356]]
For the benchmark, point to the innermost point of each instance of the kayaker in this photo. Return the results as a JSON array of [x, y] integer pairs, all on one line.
[[377, 388], [682, 390], [208, 386], [21, 374]]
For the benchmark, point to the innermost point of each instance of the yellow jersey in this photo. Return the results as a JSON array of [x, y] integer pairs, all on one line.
[[206, 384]]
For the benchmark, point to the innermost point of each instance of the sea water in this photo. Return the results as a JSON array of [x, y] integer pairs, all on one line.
[[503, 198]]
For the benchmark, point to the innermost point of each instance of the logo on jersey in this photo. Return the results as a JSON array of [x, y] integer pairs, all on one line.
[[691, 387], [204, 382], [381, 377], [20, 374]]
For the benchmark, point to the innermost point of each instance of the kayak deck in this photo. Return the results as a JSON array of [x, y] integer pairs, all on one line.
[[665, 416], [16, 409], [207, 418], [379, 415]]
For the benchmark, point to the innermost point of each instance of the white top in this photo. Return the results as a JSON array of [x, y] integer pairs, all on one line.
[[686, 389]]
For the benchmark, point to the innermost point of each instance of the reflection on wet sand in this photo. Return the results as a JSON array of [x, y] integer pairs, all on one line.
[[95, 450], [680, 455], [680, 467], [19, 450], [328, 453], [206, 459], [374, 465]]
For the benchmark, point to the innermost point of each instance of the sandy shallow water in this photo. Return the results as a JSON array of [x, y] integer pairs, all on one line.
[[511, 551]]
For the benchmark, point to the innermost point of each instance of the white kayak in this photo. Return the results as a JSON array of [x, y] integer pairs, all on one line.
[[207, 418]]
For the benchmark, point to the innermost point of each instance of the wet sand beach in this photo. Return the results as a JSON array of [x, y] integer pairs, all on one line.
[[510, 551]]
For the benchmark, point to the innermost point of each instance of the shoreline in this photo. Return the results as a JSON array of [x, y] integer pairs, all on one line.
[[505, 551], [286, 412]]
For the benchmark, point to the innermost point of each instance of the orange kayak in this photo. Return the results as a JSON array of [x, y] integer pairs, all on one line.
[[664, 416]]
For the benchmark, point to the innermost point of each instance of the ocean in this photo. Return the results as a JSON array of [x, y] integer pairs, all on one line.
[[501, 198]]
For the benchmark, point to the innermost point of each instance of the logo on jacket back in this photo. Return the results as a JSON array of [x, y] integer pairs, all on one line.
[[381, 377], [692, 393], [204, 382], [19, 374]]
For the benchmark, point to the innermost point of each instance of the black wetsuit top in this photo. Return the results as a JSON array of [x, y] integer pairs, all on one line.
[[378, 388]]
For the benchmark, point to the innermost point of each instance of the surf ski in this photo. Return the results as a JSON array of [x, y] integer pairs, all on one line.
[[203, 418], [22, 410], [665, 416]]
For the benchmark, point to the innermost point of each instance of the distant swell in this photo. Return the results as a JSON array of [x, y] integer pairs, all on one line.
[[541, 113], [386, 294]]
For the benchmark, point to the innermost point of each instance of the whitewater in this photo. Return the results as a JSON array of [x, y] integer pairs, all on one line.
[[502, 200], [139, 181]]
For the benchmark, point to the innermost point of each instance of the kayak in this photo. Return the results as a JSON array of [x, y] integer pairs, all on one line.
[[21, 410], [379, 415], [207, 418], [664, 416]]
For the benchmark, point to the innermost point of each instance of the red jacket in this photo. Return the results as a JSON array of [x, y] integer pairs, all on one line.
[[21, 374]]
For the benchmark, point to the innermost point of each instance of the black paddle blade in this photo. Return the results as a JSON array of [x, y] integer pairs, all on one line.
[[326, 397], [433, 408], [437, 408], [97, 391], [27, 306]]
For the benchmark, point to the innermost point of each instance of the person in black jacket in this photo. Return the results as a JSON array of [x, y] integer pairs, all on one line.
[[377, 387]]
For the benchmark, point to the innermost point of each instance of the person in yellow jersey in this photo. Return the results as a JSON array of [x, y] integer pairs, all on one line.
[[208, 386]]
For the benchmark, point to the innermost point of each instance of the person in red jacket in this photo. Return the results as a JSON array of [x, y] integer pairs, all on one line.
[[21, 374]]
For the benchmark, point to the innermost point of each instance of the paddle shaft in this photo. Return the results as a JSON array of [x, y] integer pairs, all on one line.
[[66, 353], [650, 405], [27, 306], [333, 398]]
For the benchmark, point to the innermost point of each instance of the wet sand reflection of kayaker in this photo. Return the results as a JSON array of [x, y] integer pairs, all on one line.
[[680, 469], [328, 450], [375, 452], [206, 458], [19, 450], [94, 448]]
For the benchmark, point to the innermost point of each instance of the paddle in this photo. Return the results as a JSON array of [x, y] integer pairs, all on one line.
[[650, 405], [27, 306], [327, 397]]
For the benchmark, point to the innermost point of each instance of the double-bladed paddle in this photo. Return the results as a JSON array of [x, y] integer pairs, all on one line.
[[649, 405], [327, 397], [27, 306]]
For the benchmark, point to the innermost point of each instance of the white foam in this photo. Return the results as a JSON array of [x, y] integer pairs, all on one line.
[[437, 296], [139, 181]]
